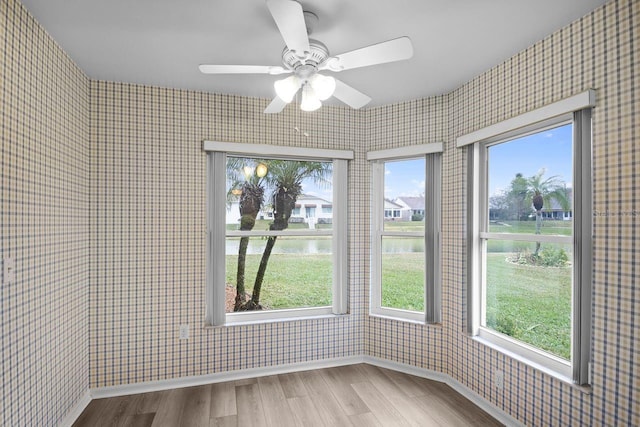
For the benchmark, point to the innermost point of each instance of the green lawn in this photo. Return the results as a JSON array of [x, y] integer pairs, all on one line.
[[263, 225], [532, 304], [529, 303], [403, 281], [291, 281]]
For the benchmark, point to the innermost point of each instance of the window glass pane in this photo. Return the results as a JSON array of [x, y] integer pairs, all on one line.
[[298, 274], [404, 184], [285, 194], [528, 293], [529, 183], [403, 273]]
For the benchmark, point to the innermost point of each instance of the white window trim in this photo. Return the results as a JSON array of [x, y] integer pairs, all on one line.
[[576, 110], [216, 230], [431, 234]]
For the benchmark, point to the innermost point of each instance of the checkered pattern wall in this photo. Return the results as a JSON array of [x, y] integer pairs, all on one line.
[[417, 122], [600, 51], [44, 223], [148, 234]]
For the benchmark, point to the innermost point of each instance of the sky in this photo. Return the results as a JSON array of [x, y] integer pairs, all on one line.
[[550, 149], [404, 178]]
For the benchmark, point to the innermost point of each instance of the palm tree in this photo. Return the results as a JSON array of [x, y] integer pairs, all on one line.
[[287, 177], [543, 190], [248, 187]]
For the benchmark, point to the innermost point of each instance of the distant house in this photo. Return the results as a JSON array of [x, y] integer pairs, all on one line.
[[550, 211], [556, 211], [394, 211], [312, 210], [308, 209], [413, 206]]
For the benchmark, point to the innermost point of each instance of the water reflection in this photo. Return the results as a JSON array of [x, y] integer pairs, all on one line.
[[319, 246]]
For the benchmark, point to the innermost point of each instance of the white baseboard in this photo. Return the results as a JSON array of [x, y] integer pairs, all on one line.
[[123, 390], [146, 387], [75, 412]]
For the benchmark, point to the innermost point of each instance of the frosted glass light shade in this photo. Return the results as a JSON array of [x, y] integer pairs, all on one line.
[[286, 88], [261, 170], [324, 86], [248, 171], [310, 101]]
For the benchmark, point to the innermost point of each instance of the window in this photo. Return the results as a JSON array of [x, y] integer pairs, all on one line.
[[405, 249], [259, 247], [530, 237], [310, 211]]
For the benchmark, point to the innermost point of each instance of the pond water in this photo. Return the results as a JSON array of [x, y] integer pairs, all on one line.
[[319, 246]]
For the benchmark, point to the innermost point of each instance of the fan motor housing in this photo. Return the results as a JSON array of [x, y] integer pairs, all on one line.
[[317, 55]]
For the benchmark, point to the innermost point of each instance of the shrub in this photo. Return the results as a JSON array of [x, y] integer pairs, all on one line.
[[502, 322], [417, 217], [547, 257], [551, 257]]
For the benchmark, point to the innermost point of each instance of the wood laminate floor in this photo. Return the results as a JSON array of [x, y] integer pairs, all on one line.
[[356, 395]]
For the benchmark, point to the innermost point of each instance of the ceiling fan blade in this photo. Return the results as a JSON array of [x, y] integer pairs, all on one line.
[[350, 96], [242, 69], [275, 106], [289, 18], [389, 51]]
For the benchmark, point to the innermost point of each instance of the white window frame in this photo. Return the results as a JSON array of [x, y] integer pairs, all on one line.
[[432, 153], [575, 110], [216, 230]]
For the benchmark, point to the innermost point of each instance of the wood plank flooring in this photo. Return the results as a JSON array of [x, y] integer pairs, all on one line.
[[356, 395]]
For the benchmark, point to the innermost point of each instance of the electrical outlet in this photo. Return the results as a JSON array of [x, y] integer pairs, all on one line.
[[498, 379], [9, 275], [184, 332]]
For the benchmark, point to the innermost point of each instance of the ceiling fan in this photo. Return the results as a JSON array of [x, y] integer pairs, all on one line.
[[304, 58]]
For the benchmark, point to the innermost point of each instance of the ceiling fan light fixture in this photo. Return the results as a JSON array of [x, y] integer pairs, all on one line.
[[323, 86], [310, 100], [287, 88]]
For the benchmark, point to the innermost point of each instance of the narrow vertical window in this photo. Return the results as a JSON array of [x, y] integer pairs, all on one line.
[[405, 226]]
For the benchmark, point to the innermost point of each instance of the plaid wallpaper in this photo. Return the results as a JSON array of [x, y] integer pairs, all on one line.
[[600, 51], [416, 122], [130, 188], [148, 216], [44, 220]]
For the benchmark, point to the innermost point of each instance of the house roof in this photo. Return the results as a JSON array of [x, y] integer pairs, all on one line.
[[388, 204], [412, 202], [303, 197]]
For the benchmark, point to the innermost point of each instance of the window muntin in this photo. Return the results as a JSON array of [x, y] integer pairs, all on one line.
[[575, 240], [300, 242], [405, 245]]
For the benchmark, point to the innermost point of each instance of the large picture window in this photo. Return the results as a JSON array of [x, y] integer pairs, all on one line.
[[405, 230], [529, 239], [272, 254]]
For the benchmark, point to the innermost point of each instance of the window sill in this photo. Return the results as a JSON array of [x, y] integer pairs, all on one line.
[[585, 389], [292, 318], [404, 319]]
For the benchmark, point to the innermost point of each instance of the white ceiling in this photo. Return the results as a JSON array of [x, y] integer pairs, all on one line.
[[162, 42]]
